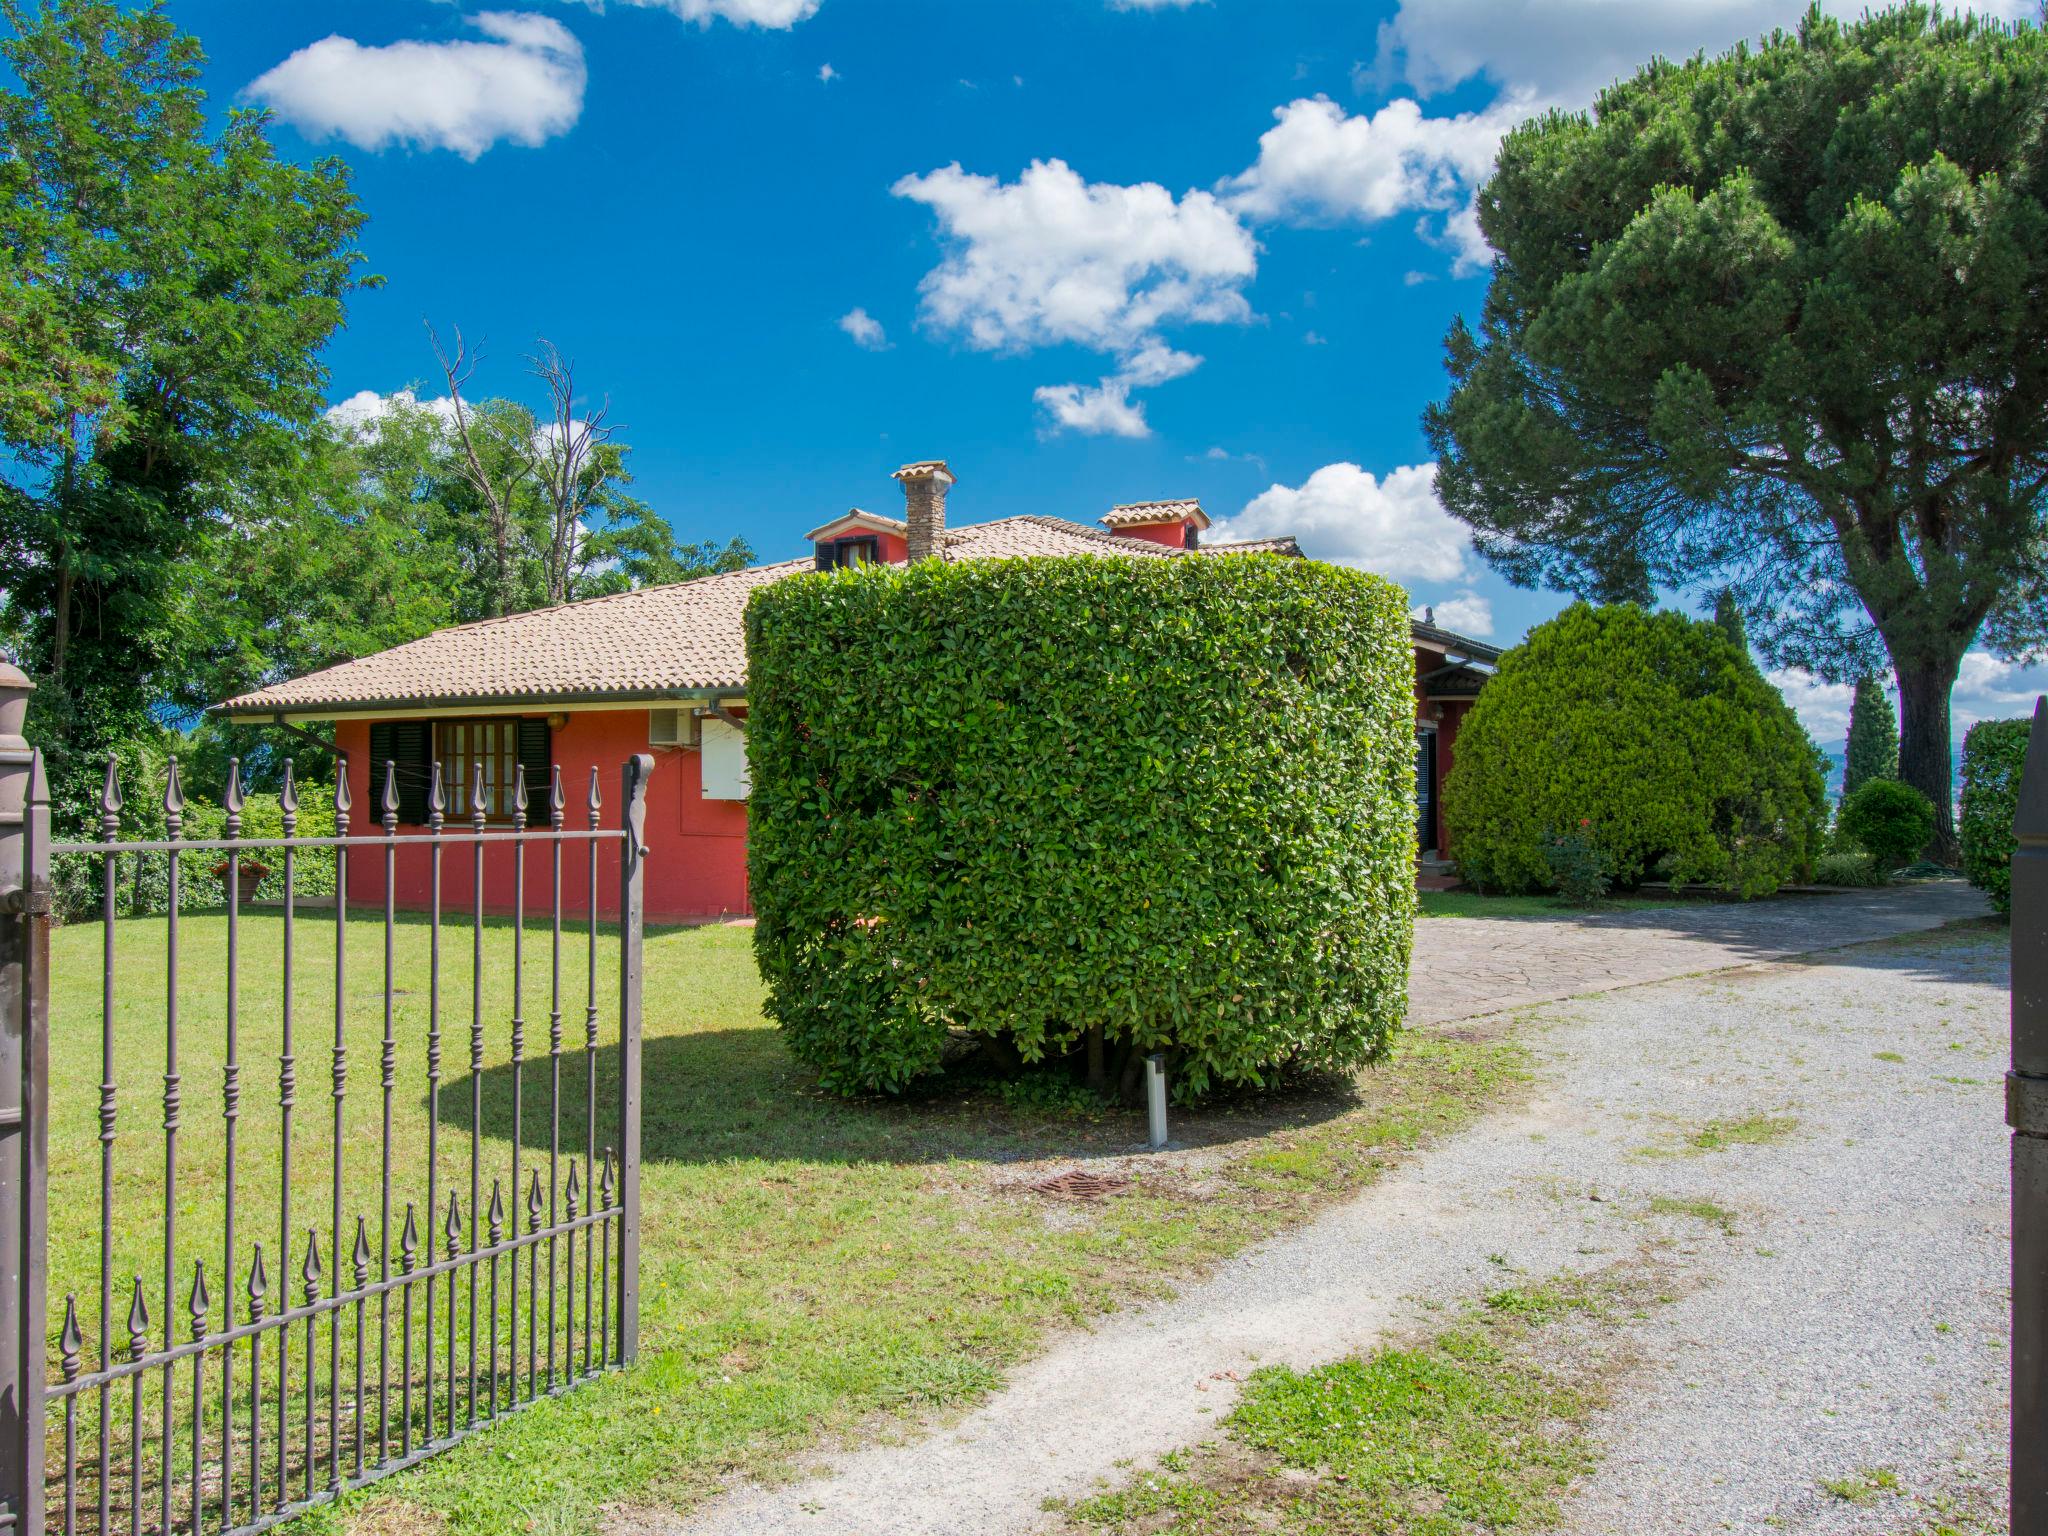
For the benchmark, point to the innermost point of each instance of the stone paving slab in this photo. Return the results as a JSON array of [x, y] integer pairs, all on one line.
[[1467, 966]]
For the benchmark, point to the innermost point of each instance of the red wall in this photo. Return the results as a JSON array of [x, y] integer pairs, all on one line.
[[1172, 535], [697, 866]]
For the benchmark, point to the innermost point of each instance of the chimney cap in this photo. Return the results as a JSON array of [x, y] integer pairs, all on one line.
[[925, 469]]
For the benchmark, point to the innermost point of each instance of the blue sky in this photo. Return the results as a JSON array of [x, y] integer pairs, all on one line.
[[1088, 252]]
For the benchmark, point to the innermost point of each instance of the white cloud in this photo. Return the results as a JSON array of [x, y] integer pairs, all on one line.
[[1320, 165], [361, 411], [1395, 526], [525, 86], [864, 328], [1098, 410], [1468, 613], [1105, 409], [777, 15], [1823, 708], [1986, 689], [827, 74], [1569, 49], [1990, 689], [1050, 258]]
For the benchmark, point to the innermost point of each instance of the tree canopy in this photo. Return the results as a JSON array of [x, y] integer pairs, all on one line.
[[181, 517], [1773, 321]]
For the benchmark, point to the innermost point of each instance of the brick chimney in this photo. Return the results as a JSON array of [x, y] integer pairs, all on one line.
[[924, 505]]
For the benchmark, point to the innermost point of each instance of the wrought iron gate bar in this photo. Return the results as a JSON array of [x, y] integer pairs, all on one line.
[[271, 1433], [56, 1392], [401, 840]]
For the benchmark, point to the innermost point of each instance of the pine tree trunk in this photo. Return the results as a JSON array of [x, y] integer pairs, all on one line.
[[1924, 746]]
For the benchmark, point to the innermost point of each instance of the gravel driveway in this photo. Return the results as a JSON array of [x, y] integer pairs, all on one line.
[[1848, 1314]]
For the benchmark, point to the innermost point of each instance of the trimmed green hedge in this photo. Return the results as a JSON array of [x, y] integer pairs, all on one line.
[[1657, 732], [1017, 799], [1994, 752]]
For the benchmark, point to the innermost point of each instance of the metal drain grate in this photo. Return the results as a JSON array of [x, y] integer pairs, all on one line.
[[1080, 1184]]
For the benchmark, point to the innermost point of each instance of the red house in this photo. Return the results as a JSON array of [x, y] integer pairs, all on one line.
[[663, 669]]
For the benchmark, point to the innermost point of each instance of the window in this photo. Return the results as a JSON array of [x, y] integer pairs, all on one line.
[[855, 551], [461, 745]]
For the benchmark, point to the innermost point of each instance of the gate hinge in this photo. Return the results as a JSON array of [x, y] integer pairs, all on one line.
[[27, 903], [2026, 1103]]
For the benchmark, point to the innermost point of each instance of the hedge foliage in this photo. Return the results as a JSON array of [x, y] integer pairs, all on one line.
[[1656, 731], [1994, 752], [1889, 821], [1017, 799]]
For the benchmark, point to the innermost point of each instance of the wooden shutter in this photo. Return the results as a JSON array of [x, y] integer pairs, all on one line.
[[409, 744], [536, 755]]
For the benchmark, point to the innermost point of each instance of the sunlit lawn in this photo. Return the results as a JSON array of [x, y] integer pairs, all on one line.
[[808, 1261]]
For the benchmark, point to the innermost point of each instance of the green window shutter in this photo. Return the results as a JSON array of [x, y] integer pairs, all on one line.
[[536, 754]]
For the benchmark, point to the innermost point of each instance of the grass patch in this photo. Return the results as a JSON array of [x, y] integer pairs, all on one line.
[[1864, 1486], [807, 1262], [1480, 1427], [1749, 1131], [1699, 1210]]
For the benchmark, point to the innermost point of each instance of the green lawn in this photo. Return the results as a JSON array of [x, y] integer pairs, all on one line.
[[808, 1261], [1480, 1426]]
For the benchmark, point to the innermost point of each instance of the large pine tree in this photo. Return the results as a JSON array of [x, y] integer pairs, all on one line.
[[1773, 321]]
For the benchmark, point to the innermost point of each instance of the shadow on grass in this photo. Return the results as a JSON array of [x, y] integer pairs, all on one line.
[[736, 1095]]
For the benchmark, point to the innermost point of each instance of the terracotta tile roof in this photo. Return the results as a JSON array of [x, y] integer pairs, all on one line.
[[658, 642], [1135, 514], [1284, 545], [855, 515]]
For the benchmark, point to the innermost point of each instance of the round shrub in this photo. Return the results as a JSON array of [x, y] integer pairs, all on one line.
[[1994, 753], [1889, 821], [1654, 734], [1172, 800]]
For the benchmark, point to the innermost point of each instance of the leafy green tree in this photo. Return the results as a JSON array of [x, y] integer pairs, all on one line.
[[1872, 751], [1773, 321], [165, 290]]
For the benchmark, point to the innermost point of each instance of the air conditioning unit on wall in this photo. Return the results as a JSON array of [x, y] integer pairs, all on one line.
[[671, 728]]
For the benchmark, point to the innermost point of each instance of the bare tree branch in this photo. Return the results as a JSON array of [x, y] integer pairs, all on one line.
[[496, 495]]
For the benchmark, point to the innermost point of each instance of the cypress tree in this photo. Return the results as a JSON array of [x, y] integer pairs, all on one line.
[[1873, 748], [1728, 615]]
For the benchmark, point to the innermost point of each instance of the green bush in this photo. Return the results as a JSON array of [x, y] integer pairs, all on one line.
[[1994, 752], [1889, 821], [1655, 730], [142, 882], [1846, 866], [1020, 800]]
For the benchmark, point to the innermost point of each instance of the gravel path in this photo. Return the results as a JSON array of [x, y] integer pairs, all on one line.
[[1465, 966], [1810, 1348]]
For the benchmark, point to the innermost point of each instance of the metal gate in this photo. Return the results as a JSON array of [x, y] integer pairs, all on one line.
[[379, 1312]]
